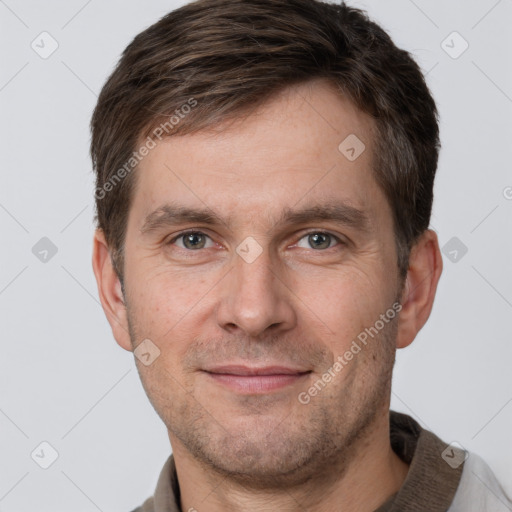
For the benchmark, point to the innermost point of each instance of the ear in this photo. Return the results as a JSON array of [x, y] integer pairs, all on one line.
[[109, 290], [425, 267]]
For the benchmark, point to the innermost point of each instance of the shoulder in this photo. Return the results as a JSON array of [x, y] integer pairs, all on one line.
[[479, 489]]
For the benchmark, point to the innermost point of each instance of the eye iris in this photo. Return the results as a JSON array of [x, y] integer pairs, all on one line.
[[319, 240], [193, 240]]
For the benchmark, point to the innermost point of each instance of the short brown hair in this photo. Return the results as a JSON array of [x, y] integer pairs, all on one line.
[[229, 56]]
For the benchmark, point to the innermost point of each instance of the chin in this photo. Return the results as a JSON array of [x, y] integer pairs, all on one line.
[[263, 452]]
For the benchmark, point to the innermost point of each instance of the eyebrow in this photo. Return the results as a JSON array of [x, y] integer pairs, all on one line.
[[172, 214]]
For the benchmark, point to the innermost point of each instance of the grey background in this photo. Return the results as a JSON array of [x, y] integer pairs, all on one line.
[[64, 380]]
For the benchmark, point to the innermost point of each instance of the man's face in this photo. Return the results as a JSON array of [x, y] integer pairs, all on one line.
[[258, 288]]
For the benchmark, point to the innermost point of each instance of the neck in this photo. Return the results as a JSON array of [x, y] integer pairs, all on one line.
[[361, 481]]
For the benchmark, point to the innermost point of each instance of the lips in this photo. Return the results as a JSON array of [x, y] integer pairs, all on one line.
[[255, 380], [247, 370]]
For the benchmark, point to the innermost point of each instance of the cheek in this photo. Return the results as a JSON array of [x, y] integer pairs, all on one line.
[[344, 301], [164, 299]]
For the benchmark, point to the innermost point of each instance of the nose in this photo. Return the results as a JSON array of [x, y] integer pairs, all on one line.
[[255, 298]]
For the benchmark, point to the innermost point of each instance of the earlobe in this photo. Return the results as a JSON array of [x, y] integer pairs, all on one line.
[[110, 291], [425, 268]]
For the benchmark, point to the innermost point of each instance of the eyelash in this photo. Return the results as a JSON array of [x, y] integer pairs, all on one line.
[[319, 232]]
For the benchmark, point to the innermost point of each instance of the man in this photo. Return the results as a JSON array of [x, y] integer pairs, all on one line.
[[264, 188]]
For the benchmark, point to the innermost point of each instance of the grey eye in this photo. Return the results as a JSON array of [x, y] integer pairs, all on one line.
[[317, 240], [192, 240]]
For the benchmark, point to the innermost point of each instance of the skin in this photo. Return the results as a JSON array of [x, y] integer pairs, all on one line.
[[294, 305]]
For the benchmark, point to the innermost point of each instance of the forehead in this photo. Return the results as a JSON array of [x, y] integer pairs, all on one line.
[[305, 143]]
